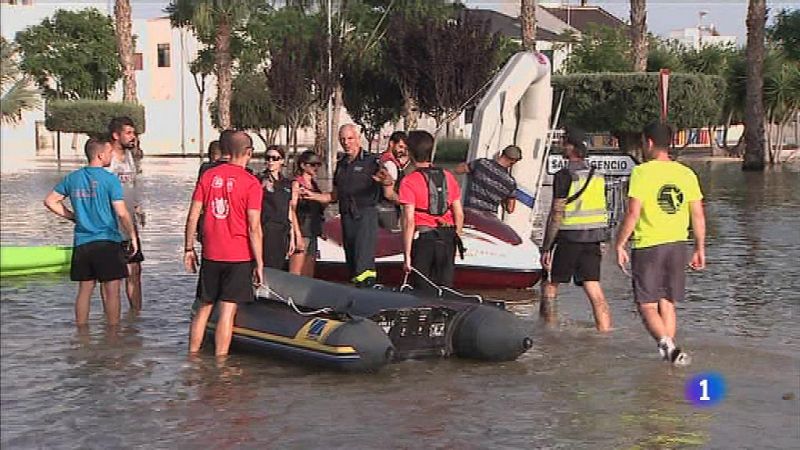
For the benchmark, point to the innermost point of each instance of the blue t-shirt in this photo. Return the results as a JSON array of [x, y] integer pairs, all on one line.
[[91, 191]]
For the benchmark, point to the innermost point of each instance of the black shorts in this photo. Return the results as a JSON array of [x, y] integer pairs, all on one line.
[[578, 260], [136, 257], [98, 260], [659, 272], [226, 282]]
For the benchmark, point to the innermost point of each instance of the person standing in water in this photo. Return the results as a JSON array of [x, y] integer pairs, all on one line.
[[278, 219], [98, 211], [232, 241], [664, 199], [123, 142], [576, 228], [311, 203]]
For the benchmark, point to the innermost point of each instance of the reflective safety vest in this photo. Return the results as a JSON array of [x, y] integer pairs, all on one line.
[[588, 211]]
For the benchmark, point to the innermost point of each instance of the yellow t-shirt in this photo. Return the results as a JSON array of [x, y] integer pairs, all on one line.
[[665, 189]]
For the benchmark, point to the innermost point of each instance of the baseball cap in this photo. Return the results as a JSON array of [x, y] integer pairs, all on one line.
[[512, 152]]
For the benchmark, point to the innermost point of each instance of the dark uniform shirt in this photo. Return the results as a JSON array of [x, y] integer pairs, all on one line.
[[354, 184]]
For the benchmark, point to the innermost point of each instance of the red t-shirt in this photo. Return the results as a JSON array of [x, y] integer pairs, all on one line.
[[414, 191], [227, 192]]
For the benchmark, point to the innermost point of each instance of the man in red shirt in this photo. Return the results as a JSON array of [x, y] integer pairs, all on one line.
[[231, 199], [432, 215]]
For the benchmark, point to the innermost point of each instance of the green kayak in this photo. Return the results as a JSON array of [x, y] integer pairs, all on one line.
[[32, 260]]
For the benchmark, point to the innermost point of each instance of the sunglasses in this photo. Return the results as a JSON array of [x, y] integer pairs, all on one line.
[[273, 158], [314, 164]]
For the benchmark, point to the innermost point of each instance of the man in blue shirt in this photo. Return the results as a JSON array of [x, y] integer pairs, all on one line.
[[97, 201]]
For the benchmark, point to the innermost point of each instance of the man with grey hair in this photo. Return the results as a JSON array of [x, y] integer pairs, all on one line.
[[359, 183]]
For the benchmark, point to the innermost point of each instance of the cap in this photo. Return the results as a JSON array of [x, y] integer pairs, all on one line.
[[512, 152]]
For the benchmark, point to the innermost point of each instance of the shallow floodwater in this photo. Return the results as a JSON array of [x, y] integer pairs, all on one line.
[[574, 389]]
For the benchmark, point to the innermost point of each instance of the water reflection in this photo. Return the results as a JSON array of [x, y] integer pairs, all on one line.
[[135, 386]]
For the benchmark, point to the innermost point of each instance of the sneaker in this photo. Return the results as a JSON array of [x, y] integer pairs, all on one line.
[[679, 358]]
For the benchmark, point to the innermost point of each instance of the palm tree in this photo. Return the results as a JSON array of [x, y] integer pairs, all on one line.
[[754, 104], [217, 20], [17, 95], [639, 35], [122, 14], [527, 16], [201, 68]]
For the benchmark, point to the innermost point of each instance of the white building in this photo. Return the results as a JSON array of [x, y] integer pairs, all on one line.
[[163, 82], [700, 36]]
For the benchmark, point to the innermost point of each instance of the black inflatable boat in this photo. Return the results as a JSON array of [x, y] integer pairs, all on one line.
[[338, 326]]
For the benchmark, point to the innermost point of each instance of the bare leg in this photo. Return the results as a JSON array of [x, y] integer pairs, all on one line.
[[83, 302], [224, 333], [652, 320], [666, 309], [309, 265], [547, 305], [602, 316], [133, 286], [296, 263], [197, 329], [111, 301]]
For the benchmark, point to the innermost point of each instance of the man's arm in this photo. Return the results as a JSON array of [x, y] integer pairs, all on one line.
[[408, 225], [461, 168], [189, 255], [699, 231], [554, 220], [458, 216], [55, 203], [626, 230], [127, 223], [510, 204], [256, 242]]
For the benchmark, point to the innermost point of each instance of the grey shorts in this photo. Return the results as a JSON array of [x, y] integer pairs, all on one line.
[[659, 272]]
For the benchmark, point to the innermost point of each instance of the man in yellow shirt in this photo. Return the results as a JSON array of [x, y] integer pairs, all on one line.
[[664, 198]]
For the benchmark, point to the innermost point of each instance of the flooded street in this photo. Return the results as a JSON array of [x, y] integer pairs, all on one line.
[[62, 388]]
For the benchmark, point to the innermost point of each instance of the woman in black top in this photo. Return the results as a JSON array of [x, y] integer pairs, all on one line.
[[277, 210], [311, 203]]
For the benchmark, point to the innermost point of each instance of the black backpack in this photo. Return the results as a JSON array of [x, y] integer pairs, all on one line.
[[437, 190]]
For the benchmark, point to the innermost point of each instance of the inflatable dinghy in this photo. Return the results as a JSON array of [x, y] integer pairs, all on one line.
[[338, 326], [33, 260]]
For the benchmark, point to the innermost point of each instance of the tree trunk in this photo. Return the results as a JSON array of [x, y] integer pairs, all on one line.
[[122, 14], [201, 91], [639, 35], [754, 100], [337, 110], [410, 112], [222, 56], [527, 16], [320, 130], [200, 125]]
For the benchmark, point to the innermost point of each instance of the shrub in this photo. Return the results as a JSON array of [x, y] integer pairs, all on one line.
[[626, 102], [90, 116], [451, 150]]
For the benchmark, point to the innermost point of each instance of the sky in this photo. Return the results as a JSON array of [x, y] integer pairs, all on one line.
[[662, 15]]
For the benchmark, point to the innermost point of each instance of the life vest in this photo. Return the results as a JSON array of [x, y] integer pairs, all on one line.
[[275, 201], [437, 191], [586, 206], [310, 214]]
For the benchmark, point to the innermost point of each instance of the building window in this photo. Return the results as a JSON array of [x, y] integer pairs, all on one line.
[[163, 55], [137, 61]]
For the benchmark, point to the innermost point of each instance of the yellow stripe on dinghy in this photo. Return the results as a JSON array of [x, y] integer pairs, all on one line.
[[310, 336]]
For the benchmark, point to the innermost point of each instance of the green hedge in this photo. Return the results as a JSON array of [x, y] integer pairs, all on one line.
[[451, 150], [626, 102], [90, 116]]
